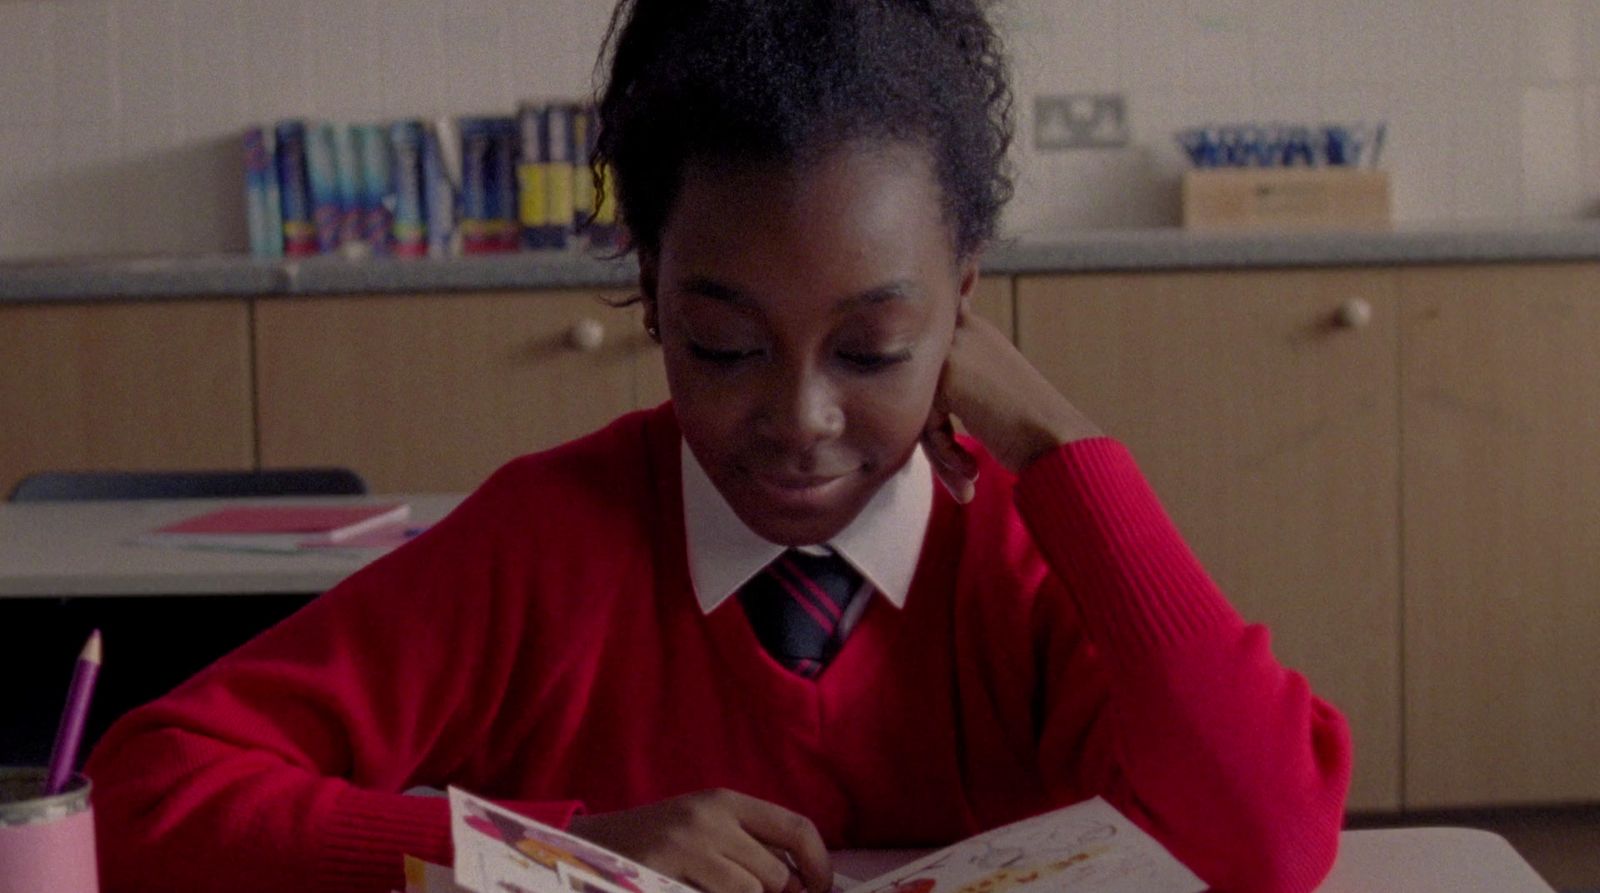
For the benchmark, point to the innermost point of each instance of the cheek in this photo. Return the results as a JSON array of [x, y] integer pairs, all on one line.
[[893, 411], [715, 410], [702, 404]]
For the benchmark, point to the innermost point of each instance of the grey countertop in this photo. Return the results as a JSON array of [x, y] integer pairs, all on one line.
[[1072, 252]]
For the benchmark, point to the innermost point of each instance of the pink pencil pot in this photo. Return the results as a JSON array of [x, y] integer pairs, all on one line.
[[46, 843]]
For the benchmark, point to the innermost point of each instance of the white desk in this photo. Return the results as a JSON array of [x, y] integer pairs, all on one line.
[[1390, 860], [82, 549]]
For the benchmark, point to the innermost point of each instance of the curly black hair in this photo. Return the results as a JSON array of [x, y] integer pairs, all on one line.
[[759, 81]]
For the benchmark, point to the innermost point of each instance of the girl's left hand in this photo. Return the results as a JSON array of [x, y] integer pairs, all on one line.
[[1001, 400]]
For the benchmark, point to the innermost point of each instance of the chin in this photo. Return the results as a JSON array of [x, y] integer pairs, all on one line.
[[799, 531], [796, 525], [802, 515]]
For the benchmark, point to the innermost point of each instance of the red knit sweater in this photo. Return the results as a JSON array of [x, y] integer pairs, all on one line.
[[542, 645]]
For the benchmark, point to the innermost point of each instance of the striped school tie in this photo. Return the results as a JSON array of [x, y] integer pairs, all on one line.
[[795, 606]]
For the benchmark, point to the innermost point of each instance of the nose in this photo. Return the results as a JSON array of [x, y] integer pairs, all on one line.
[[806, 409]]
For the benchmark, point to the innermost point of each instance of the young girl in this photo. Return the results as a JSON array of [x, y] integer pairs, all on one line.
[[789, 610]]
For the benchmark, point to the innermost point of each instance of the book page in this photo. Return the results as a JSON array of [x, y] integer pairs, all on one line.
[[1088, 847], [499, 851], [1085, 848]]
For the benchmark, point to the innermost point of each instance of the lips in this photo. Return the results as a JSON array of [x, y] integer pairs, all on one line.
[[799, 491], [796, 482]]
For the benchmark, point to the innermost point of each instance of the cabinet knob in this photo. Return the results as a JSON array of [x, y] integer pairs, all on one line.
[[1354, 313], [587, 335]]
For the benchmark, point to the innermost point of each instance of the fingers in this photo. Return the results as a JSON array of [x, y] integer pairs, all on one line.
[[794, 885], [721, 874], [770, 868], [719, 841], [953, 465], [795, 835]]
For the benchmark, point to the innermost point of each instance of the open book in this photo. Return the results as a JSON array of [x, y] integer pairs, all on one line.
[[1088, 847]]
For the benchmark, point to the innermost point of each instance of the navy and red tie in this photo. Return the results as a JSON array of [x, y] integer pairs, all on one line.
[[795, 606]]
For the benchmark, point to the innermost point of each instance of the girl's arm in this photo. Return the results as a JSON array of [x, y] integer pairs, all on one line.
[[1196, 732], [280, 767]]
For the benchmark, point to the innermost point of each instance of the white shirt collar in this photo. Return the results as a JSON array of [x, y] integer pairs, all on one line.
[[884, 542]]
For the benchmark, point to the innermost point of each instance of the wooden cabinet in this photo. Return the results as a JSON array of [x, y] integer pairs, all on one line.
[[1425, 484], [1268, 428], [150, 385], [1500, 389], [994, 300], [433, 392]]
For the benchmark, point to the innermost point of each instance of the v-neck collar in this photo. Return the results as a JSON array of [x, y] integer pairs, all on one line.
[[883, 543], [771, 690]]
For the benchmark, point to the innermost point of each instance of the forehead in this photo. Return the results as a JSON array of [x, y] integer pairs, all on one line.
[[855, 216]]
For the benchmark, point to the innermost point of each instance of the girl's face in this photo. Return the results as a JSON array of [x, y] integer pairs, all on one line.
[[805, 316]]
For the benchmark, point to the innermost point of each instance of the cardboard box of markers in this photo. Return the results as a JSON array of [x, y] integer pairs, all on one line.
[[1279, 176]]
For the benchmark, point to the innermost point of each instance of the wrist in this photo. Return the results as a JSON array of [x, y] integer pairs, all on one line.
[[1050, 433]]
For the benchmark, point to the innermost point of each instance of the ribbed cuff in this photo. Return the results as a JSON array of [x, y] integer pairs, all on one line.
[[1136, 583], [369, 834]]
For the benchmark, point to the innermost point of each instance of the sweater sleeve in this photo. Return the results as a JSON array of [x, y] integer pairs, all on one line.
[[282, 766], [1202, 736]]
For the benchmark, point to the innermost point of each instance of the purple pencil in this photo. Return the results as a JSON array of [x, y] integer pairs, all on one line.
[[64, 755]]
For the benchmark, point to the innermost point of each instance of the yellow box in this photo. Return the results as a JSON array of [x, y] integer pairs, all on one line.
[[1285, 198]]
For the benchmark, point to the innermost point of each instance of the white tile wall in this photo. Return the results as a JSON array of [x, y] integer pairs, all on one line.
[[210, 82], [413, 48], [147, 61], [118, 118], [478, 61], [274, 32], [1550, 170], [83, 64], [1589, 173], [88, 175], [26, 64], [345, 47], [28, 165]]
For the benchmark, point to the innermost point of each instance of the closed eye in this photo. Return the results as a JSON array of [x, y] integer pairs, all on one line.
[[874, 362], [721, 357]]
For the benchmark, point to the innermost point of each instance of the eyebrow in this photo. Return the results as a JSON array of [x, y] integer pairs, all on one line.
[[896, 290]]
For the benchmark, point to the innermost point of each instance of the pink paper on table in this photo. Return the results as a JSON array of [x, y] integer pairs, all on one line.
[[331, 523], [383, 538]]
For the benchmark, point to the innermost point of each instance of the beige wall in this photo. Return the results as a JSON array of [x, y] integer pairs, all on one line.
[[117, 117]]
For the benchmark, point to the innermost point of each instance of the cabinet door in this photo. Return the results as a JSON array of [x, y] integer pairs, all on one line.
[[1269, 430], [433, 392], [992, 300], [157, 385], [1501, 420]]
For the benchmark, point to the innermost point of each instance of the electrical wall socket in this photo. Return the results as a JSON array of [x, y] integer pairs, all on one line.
[[1080, 121]]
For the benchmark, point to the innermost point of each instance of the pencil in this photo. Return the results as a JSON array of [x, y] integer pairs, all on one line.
[[70, 733]]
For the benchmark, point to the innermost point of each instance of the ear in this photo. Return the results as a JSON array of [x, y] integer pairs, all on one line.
[[647, 295], [968, 273]]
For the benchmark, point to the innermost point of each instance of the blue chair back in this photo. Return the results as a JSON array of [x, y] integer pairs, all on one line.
[[60, 486]]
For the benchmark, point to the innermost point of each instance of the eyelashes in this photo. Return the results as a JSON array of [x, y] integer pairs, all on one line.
[[860, 361], [874, 362], [719, 357]]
